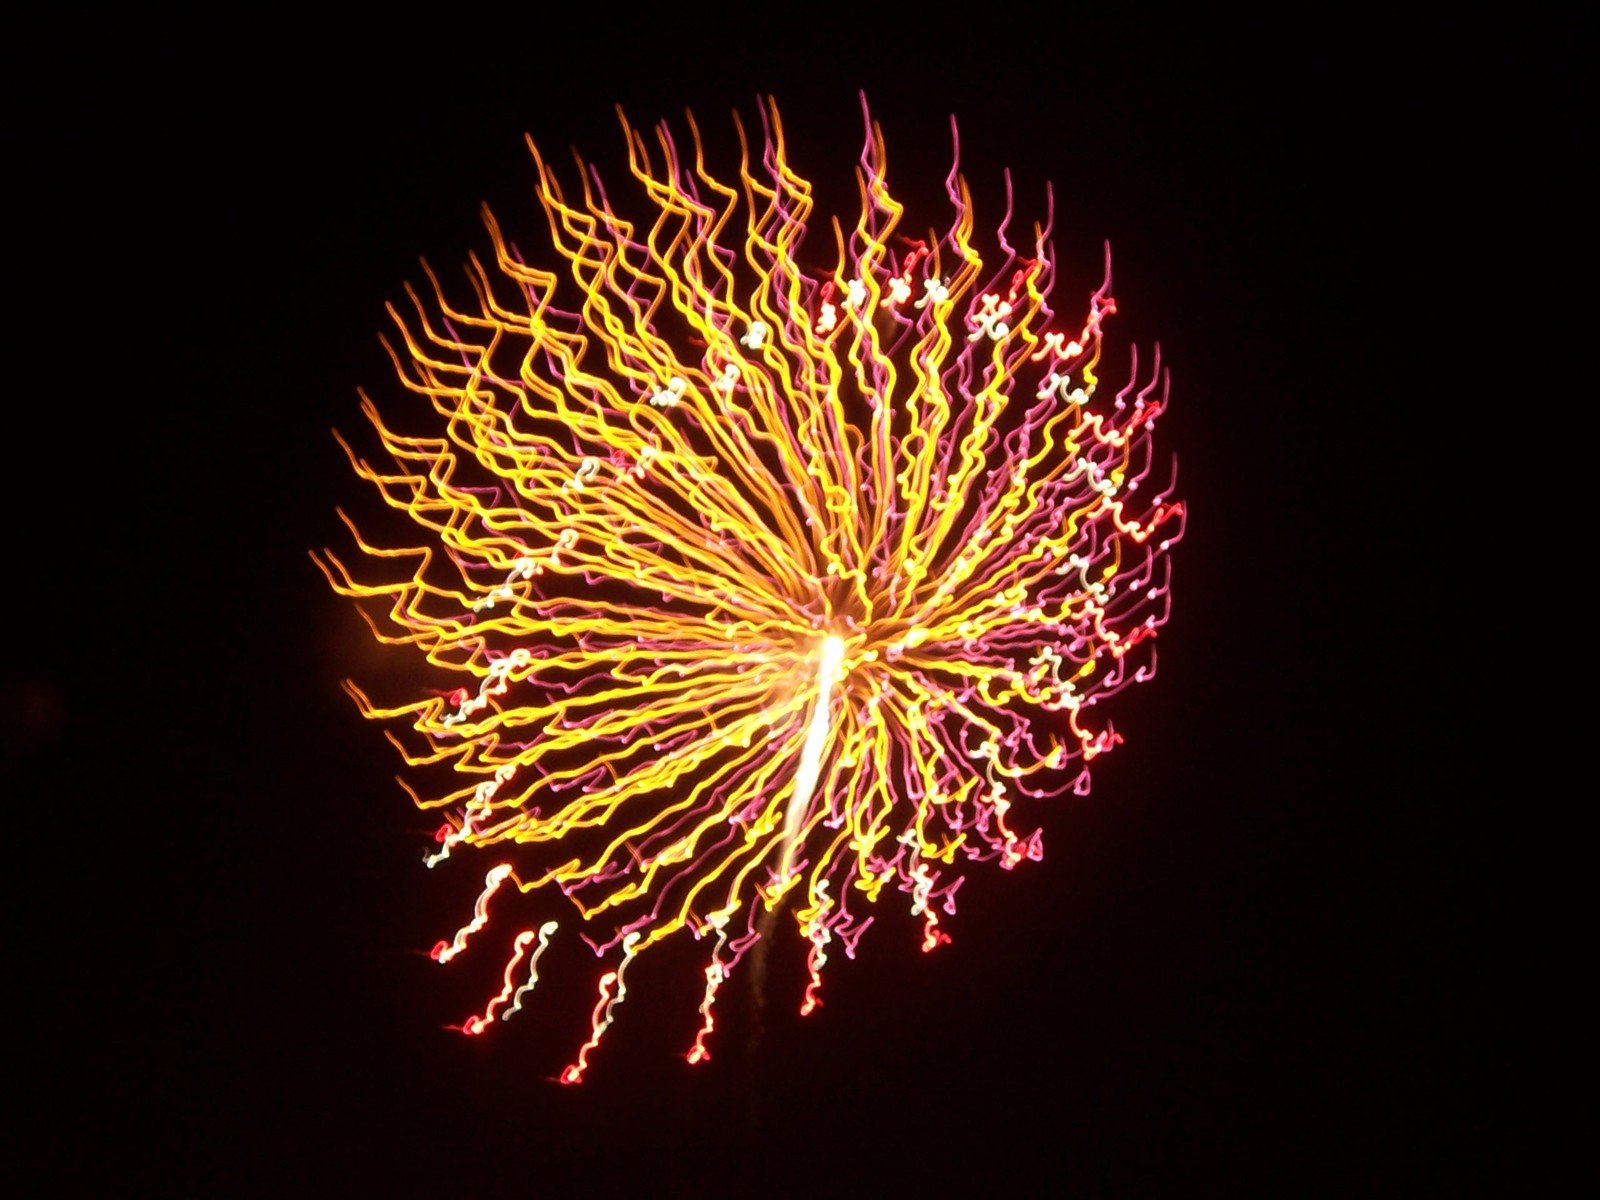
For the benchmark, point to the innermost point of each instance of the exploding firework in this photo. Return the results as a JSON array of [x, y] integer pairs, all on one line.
[[768, 577]]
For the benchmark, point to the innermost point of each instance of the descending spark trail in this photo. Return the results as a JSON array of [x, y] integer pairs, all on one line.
[[756, 574], [805, 782]]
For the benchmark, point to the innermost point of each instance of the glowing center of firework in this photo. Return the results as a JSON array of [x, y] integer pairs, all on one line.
[[805, 780]]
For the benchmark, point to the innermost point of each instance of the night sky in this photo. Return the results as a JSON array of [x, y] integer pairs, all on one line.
[[1237, 969]]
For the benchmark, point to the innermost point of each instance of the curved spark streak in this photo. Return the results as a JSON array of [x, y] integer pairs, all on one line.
[[763, 574]]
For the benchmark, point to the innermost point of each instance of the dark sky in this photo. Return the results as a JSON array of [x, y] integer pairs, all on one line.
[[1239, 966]]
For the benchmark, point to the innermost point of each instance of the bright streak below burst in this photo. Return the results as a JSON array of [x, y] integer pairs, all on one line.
[[760, 584]]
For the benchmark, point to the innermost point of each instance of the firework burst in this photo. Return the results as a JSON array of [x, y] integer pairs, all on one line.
[[762, 587]]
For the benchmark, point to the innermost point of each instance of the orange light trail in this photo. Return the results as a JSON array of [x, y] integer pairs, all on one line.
[[764, 575]]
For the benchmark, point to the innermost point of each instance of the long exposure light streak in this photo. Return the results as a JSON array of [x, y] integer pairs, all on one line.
[[805, 783], [754, 575]]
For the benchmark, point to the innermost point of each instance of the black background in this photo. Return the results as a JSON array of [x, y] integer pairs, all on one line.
[[1244, 962]]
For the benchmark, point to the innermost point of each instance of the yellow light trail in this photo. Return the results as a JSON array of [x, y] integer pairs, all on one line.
[[811, 757]]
